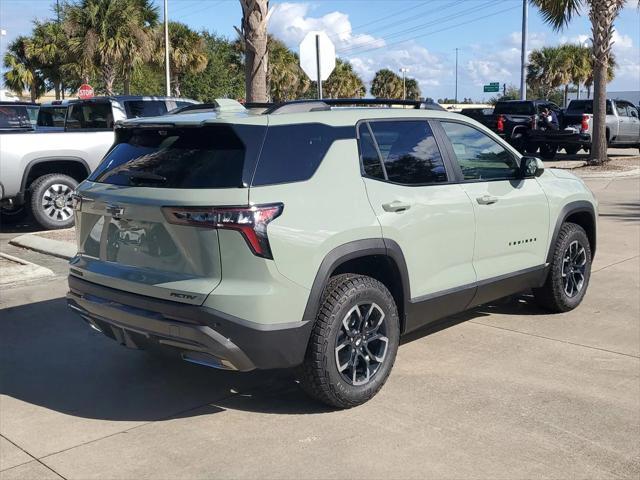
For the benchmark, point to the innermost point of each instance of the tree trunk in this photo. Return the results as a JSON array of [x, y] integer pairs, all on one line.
[[56, 86], [108, 77], [126, 83], [255, 15], [176, 86], [601, 14], [566, 95]]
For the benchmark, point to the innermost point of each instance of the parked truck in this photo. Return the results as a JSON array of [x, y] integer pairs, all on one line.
[[39, 169]]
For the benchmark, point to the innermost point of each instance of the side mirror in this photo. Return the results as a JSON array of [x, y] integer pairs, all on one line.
[[531, 167], [634, 114]]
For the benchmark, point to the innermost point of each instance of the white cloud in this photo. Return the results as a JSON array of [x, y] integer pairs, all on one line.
[[291, 21]]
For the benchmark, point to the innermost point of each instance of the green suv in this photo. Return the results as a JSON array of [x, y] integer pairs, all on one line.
[[315, 237]]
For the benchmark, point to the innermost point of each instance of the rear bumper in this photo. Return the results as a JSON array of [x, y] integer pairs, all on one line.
[[197, 334], [559, 137]]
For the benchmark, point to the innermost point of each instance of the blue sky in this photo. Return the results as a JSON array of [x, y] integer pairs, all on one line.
[[417, 34]]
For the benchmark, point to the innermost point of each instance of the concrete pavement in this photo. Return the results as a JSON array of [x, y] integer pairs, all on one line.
[[503, 391]]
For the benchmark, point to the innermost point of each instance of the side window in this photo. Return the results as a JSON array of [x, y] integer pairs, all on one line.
[[633, 111], [370, 161], [479, 156], [91, 115], [621, 109], [409, 152], [292, 153]]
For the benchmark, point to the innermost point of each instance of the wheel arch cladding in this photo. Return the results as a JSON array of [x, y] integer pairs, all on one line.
[[581, 213], [74, 167], [374, 257]]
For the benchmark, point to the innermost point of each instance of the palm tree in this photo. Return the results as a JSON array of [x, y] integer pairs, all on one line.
[[344, 82], [101, 33], [253, 33], [186, 55], [24, 70], [386, 84], [49, 47], [602, 14], [413, 89], [141, 44], [286, 79], [545, 69]]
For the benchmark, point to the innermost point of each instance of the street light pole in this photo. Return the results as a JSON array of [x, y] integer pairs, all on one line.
[[166, 47], [523, 53], [404, 82], [456, 95]]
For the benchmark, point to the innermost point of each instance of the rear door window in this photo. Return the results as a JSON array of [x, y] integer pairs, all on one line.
[[52, 116], [145, 108], [514, 108], [90, 116], [408, 150], [220, 156], [293, 153], [14, 117]]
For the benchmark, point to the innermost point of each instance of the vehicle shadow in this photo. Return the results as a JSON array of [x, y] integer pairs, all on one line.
[[50, 358], [625, 211], [25, 225]]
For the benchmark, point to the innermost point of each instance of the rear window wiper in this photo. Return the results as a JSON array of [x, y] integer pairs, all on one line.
[[146, 177]]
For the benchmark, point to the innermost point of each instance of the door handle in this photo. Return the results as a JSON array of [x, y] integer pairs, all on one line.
[[396, 206], [486, 200]]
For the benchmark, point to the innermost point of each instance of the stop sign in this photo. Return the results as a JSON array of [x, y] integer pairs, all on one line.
[[85, 91]]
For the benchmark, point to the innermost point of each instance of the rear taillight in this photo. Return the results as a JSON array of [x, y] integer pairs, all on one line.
[[500, 123], [251, 222], [584, 125]]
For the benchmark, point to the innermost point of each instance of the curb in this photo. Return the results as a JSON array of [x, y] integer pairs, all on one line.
[[629, 173], [47, 246], [24, 271]]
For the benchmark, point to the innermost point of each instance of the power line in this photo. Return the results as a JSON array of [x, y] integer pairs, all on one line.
[[502, 10], [435, 21]]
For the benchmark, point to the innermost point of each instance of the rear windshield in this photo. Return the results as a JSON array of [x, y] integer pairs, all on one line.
[[52, 116], [15, 117], [90, 116], [220, 156], [515, 108], [145, 108], [579, 107]]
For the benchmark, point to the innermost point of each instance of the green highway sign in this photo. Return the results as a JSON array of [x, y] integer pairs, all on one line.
[[492, 88], [495, 84]]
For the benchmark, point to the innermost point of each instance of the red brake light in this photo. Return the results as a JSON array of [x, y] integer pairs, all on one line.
[[251, 222], [584, 125], [500, 123]]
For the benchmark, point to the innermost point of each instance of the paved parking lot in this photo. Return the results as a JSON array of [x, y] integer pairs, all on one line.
[[503, 391]]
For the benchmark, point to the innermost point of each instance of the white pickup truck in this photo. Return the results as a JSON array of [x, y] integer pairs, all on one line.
[[623, 122], [39, 169]]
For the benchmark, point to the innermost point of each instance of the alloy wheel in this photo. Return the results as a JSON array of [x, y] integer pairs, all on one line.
[[56, 202], [574, 264], [362, 343]]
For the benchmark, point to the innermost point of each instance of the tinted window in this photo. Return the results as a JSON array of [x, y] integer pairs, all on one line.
[[514, 108], [370, 160], [585, 106], [220, 156], [145, 108], [632, 111], [622, 109], [14, 117], [292, 153], [409, 152], [479, 156], [90, 115], [51, 116]]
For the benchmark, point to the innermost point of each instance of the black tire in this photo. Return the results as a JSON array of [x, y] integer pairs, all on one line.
[[572, 150], [548, 152], [13, 215], [45, 193], [530, 147], [319, 374], [555, 295]]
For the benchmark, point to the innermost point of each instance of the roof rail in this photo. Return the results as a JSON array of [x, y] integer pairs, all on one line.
[[327, 103]]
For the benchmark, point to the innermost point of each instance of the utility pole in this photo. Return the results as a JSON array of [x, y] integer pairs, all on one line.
[[166, 47], [523, 53], [404, 82], [456, 95]]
